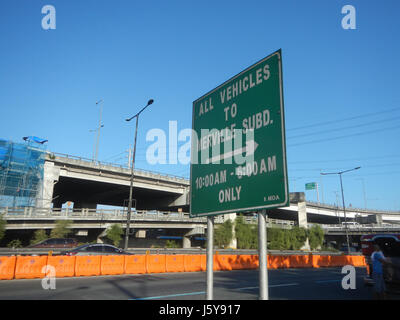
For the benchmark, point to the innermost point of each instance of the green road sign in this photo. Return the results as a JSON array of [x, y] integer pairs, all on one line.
[[238, 143], [311, 186]]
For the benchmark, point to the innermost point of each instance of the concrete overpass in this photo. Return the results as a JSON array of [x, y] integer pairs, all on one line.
[[87, 184]]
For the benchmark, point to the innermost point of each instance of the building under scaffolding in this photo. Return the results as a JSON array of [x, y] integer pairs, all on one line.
[[21, 173]]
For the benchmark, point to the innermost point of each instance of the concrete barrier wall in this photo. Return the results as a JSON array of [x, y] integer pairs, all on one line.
[[30, 267]]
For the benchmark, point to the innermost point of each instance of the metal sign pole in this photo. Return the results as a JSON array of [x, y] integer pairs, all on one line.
[[262, 255], [210, 257]]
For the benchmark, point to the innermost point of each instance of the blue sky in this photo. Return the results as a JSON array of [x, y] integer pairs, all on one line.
[[341, 87]]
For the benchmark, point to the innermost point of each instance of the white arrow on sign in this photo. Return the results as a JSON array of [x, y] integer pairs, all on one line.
[[250, 148]]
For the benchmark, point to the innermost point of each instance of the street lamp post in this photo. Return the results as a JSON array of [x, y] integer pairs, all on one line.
[[344, 207], [98, 132], [128, 218]]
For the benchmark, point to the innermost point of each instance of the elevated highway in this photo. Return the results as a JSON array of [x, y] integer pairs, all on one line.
[[87, 184], [162, 202]]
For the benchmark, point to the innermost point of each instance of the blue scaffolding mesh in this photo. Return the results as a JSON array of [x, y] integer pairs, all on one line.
[[21, 173]]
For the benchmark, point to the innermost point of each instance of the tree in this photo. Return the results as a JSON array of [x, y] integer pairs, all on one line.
[[286, 239], [246, 234], [223, 234], [316, 237], [61, 229], [276, 238], [14, 244], [39, 235], [171, 244], [2, 227], [114, 233], [298, 238]]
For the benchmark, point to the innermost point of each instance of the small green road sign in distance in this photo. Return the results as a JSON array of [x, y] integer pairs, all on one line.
[[238, 143], [311, 186]]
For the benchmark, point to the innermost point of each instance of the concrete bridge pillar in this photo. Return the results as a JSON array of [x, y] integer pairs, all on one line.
[[186, 242], [302, 214], [51, 175]]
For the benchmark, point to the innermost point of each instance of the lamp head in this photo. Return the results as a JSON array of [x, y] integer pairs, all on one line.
[[150, 102]]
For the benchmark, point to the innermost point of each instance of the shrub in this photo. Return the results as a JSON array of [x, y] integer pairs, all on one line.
[[114, 233], [171, 244], [61, 229], [38, 236], [246, 234], [15, 244], [223, 234], [2, 227], [316, 237]]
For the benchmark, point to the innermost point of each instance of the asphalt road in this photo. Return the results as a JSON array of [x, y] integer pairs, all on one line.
[[284, 284]]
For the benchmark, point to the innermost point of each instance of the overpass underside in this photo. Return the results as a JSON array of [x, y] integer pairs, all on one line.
[[88, 194]]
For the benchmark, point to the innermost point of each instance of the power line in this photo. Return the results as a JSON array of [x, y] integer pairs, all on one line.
[[344, 119], [348, 159], [342, 128], [343, 137]]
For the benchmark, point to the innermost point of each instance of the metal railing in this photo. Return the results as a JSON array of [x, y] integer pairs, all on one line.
[[52, 156], [94, 214], [31, 213], [350, 209], [361, 227]]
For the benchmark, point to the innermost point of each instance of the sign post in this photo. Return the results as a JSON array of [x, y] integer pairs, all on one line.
[[262, 255], [210, 258], [239, 151]]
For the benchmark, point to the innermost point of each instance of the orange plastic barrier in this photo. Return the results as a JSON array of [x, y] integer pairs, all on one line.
[[300, 261], [203, 262], [112, 264], [28, 267], [192, 263], [87, 265], [156, 263], [174, 263], [135, 264], [7, 268], [236, 262], [64, 265], [223, 262], [285, 262], [274, 262]]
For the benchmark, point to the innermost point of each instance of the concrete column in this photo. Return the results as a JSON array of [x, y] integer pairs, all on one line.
[[51, 175], [379, 219], [186, 243], [302, 219], [302, 214]]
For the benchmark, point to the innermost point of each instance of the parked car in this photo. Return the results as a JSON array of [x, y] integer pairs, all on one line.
[[95, 249], [55, 243]]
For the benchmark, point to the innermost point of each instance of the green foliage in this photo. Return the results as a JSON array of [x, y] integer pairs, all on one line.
[[286, 239], [61, 229], [298, 237], [223, 234], [277, 239], [246, 234], [2, 227], [114, 233], [171, 244], [39, 235], [15, 244], [316, 237]]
